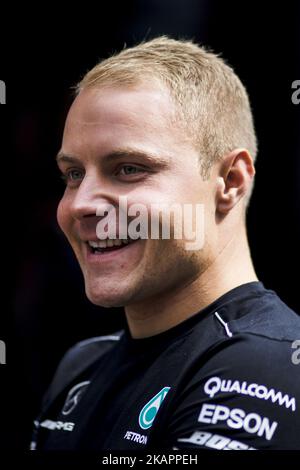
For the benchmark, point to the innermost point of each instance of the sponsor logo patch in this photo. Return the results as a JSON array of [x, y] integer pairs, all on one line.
[[215, 441], [236, 418], [136, 437], [216, 385], [57, 425], [149, 411], [74, 397]]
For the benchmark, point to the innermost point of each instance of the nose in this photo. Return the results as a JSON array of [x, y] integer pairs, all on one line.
[[89, 197]]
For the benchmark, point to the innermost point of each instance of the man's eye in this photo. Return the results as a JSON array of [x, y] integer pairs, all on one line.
[[128, 170], [73, 176]]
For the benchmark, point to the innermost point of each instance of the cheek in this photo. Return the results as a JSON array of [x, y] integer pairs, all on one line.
[[63, 217]]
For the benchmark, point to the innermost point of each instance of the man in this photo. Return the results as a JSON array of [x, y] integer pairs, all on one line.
[[206, 359]]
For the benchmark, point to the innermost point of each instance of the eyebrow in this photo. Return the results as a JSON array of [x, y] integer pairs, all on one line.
[[150, 158]]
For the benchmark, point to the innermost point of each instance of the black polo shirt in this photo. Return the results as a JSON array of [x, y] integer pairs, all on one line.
[[228, 377]]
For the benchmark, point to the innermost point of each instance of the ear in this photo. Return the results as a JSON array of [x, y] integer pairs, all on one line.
[[234, 180]]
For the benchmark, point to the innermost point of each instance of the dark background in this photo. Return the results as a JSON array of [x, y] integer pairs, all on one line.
[[42, 55]]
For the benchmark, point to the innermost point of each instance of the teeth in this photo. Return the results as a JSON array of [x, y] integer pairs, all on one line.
[[102, 244], [107, 243]]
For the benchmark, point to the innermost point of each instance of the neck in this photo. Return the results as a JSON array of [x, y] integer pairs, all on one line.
[[231, 268]]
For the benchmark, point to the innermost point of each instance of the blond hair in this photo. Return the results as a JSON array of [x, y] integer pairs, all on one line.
[[212, 103]]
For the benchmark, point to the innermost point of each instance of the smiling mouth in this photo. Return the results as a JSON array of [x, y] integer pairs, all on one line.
[[106, 246]]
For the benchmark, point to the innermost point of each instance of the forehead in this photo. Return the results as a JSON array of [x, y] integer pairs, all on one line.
[[144, 117], [139, 108]]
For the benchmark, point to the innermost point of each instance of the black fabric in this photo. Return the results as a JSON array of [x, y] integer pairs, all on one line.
[[223, 379]]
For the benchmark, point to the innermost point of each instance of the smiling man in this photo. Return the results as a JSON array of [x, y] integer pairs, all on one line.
[[205, 360]]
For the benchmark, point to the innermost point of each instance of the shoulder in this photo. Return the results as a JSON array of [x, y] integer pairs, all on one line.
[[245, 395], [78, 359], [243, 392], [261, 334], [255, 358], [261, 346], [263, 330], [269, 361], [268, 316], [83, 353]]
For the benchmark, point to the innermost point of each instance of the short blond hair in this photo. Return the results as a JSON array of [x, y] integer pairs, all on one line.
[[212, 103]]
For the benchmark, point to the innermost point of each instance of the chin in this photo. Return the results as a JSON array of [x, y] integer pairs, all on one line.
[[105, 297]]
